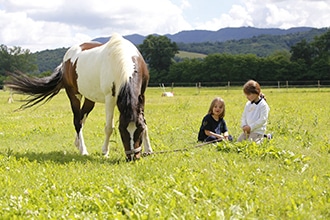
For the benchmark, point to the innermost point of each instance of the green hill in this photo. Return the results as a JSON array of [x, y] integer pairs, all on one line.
[[48, 60], [262, 46], [189, 55]]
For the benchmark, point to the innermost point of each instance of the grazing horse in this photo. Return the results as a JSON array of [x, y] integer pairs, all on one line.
[[113, 73]]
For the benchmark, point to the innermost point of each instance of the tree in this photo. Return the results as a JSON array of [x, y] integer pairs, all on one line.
[[322, 45], [320, 68], [314, 57], [188, 70], [302, 51], [158, 51], [276, 66], [15, 59]]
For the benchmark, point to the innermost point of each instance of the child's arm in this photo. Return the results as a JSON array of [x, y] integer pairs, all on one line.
[[210, 133], [226, 135]]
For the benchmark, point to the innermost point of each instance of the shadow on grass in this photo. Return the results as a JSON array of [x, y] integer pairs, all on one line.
[[62, 157]]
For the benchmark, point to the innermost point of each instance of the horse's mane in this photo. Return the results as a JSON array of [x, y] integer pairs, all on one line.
[[124, 52], [127, 102]]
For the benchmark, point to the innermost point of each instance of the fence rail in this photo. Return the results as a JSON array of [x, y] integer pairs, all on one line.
[[269, 84]]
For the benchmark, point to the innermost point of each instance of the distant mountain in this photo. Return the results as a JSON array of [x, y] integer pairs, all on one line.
[[225, 34], [261, 42], [134, 38], [262, 45]]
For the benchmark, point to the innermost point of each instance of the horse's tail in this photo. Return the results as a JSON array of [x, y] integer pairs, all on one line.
[[39, 89]]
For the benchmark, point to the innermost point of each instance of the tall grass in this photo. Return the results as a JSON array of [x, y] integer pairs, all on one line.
[[43, 176]]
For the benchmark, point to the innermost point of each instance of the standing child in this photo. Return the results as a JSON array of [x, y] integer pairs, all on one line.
[[255, 114], [213, 125]]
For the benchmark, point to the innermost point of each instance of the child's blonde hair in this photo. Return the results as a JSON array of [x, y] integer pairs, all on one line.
[[217, 99]]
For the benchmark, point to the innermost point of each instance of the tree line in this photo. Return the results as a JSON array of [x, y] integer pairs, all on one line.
[[305, 60]]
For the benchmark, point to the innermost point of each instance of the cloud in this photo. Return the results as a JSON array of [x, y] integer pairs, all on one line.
[[123, 16], [185, 4], [40, 24], [273, 13], [63, 23], [18, 29]]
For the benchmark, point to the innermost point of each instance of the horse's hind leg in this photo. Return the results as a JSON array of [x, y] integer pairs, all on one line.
[[75, 106], [86, 109]]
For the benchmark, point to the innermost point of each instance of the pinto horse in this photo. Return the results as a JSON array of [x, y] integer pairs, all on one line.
[[113, 73]]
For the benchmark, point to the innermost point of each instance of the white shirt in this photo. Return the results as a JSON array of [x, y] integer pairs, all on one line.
[[255, 115]]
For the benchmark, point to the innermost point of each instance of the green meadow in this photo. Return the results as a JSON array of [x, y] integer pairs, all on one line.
[[190, 55], [43, 176]]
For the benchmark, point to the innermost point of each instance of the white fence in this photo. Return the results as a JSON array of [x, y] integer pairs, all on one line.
[[269, 84]]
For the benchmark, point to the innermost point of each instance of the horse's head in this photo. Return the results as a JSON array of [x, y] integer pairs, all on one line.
[[132, 133], [130, 102]]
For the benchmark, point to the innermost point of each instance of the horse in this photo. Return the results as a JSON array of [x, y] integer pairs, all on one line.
[[113, 73]]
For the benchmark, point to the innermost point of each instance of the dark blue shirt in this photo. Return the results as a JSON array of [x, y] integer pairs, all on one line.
[[210, 124]]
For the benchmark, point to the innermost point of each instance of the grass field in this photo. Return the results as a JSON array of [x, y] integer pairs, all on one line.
[[190, 55], [43, 176]]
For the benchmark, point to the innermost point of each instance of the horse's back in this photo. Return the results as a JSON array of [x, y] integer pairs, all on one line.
[[104, 68], [83, 69]]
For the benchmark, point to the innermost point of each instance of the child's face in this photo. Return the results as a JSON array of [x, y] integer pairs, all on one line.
[[252, 97], [218, 108]]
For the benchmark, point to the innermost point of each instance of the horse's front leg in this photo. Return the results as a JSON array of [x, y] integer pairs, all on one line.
[[146, 141], [109, 125]]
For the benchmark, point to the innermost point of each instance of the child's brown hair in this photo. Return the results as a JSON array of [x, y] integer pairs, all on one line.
[[217, 99], [253, 87]]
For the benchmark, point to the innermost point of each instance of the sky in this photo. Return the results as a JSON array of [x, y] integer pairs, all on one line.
[[44, 24]]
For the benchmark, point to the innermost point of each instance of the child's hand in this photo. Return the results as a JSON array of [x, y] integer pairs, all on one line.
[[220, 137], [246, 129]]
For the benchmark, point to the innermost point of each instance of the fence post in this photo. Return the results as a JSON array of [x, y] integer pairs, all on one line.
[[318, 84], [278, 84], [287, 84], [198, 86]]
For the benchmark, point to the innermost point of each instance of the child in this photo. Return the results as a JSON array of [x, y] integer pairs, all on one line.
[[213, 126], [255, 114]]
